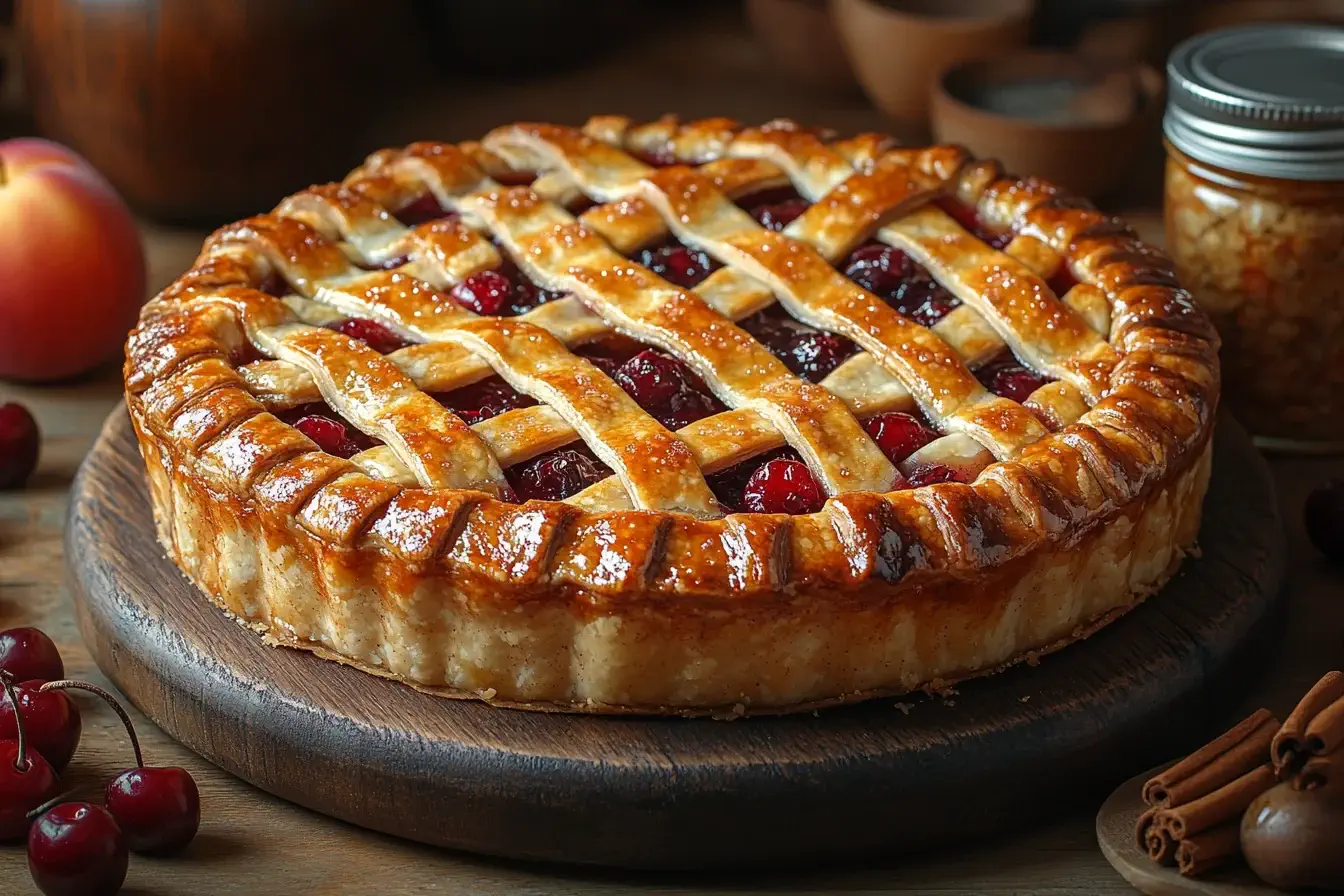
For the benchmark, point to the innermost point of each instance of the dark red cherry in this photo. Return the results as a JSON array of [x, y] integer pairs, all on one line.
[[1323, 515], [678, 264], [813, 355], [371, 333], [333, 436], [779, 215], [51, 722], [485, 399], [26, 782], [485, 292], [879, 268], [20, 441], [782, 486], [1011, 380], [76, 849], [418, 211], [666, 388], [933, 473], [898, 435], [27, 653], [157, 809], [557, 475]]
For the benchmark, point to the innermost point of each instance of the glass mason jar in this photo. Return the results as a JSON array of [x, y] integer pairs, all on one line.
[[1255, 219]]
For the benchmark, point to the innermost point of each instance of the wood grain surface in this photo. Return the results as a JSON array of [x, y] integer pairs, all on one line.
[[1115, 835], [887, 776], [253, 843]]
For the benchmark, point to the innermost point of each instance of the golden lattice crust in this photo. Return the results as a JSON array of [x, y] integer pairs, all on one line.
[[639, 592]]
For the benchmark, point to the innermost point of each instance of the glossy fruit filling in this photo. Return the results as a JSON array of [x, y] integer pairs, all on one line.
[[371, 333], [1007, 376], [558, 474], [484, 399], [677, 263], [808, 353], [331, 432], [900, 281], [500, 292]]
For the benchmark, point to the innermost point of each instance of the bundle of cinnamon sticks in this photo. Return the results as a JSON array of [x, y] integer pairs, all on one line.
[[1309, 748], [1194, 808]]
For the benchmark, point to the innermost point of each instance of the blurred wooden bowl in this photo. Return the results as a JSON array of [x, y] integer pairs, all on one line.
[[801, 40], [898, 47], [205, 110], [1077, 121]]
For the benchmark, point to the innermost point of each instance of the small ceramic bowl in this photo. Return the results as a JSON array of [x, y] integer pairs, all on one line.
[[1077, 121], [800, 38], [898, 47]]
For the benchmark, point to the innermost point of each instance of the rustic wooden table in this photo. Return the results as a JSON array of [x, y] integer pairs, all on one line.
[[252, 843]]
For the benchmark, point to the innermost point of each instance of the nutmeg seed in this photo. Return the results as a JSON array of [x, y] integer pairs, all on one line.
[[1295, 838]]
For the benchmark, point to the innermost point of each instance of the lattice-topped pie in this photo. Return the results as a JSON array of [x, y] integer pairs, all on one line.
[[676, 417]]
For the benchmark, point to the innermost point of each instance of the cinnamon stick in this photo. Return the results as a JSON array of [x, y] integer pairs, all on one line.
[[1209, 850], [1226, 758], [1155, 839], [1317, 771], [1292, 746], [1227, 803]]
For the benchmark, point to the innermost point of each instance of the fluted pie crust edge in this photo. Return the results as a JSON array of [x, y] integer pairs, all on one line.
[[555, 606]]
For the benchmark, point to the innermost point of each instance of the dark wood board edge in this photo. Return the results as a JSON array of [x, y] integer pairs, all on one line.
[[682, 793]]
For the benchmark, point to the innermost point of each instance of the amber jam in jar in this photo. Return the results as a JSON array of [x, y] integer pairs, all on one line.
[[1255, 219]]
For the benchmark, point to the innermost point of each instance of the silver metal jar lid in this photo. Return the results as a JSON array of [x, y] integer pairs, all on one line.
[[1263, 99]]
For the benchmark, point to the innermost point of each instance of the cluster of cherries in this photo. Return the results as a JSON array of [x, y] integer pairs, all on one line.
[[76, 848]]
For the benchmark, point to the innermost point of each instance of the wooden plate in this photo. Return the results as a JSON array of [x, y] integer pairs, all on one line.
[[884, 776]]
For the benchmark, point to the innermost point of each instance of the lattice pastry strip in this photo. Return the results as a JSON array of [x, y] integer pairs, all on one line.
[[558, 253]]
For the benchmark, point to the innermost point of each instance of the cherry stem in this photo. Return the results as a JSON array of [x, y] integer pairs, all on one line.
[[56, 800], [66, 684], [21, 762]]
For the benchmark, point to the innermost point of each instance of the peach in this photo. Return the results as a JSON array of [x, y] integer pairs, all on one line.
[[72, 270]]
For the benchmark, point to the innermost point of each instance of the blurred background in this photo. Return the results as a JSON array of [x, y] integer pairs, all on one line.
[[201, 111]]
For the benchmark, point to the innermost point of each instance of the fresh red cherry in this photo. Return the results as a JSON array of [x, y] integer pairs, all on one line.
[[371, 333], [19, 443], [50, 720], [158, 810], [557, 475], [898, 435], [666, 388], [76, 849], [782, 486], [26, 780], [333, 436], [27, 653], [1323, 515], [485, 292]]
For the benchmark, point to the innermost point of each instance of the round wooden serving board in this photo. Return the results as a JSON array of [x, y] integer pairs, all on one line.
[[885, 776]]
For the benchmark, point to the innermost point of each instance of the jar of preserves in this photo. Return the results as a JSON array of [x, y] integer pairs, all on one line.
[[1255, 219]]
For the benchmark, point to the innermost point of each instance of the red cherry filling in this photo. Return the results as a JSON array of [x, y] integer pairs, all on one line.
[[677, 263], [966, 216], [660, 157], [933, 473], [808, 353], [20, 442], [782, 486], [778, 215], [667, 389], [556, 475], [426, 208], [502, 292], [76, 849], [1062, 281], [898, 435], [371, 333], [335, 437], [1008, 377], [894, 277], [485, 399]]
